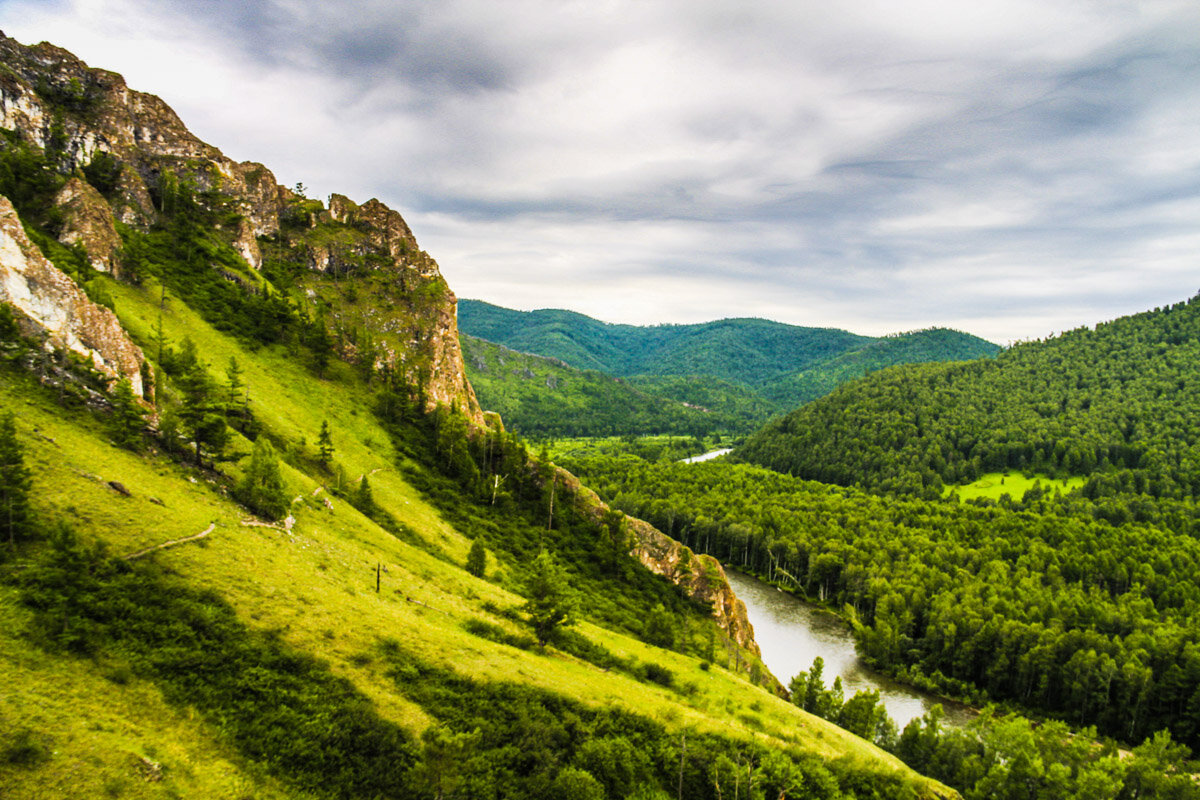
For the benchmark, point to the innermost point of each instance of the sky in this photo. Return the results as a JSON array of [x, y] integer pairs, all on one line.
[[1011, 168]]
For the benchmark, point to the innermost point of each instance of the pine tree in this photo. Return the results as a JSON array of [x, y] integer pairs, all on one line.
[[477, 559], [551, 603], [363, 500], [324, 445], [261, 489], [15, 482], [128, 421], [201, 414], [236, 399]]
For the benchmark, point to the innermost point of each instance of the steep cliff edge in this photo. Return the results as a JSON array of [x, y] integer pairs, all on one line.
[[383, 298], [51, 305]]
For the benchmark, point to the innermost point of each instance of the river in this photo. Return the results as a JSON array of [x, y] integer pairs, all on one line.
[[709, 456], [791, 633]]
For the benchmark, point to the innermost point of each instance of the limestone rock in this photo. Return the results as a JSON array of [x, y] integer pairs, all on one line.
[[247, 244], [88, 220], [48, 300]]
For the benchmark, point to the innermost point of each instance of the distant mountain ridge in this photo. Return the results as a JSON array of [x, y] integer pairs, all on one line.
[[770, 367]]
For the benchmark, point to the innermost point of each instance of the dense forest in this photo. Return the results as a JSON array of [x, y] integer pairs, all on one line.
[[1118, 403], [1055, 611]]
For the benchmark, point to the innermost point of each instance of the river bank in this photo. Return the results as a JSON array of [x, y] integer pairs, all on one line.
[[791, 633]]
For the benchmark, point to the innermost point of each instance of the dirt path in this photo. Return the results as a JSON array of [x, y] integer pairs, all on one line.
[[171, 543]]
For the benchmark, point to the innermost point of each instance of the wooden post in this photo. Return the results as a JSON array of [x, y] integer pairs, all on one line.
[[682, 751], [377, 571]]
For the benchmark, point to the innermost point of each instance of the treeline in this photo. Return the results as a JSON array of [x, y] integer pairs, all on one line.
[[1011, 758], [1095, 623], [1119, 403]]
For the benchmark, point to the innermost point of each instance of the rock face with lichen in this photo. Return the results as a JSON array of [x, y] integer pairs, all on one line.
[[48, 303], [382, 297]]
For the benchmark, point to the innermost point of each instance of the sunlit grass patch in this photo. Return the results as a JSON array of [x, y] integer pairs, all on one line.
[[994, 485]]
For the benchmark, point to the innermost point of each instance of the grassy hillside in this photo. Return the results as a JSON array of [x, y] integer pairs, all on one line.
[[310, 591]]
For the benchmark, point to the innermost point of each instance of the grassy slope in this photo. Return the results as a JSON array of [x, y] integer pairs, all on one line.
[[314, 585]]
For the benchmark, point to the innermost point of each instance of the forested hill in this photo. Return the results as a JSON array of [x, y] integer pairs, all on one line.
[[781, 366], [743, 350], [1118, 403], [542, 397]]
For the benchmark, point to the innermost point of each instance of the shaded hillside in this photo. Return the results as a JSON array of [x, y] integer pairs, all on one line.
[[746, 351], [934, 344], [1118, 403]]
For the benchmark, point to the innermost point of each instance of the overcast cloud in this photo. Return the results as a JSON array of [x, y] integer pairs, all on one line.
[[1006, 167]]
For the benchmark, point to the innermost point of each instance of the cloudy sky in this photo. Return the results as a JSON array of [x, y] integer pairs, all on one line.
[[1007, 167]]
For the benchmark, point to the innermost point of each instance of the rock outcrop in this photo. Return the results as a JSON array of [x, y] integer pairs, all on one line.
[[48, 302], [88, 221], [701, 576], [56, 102]]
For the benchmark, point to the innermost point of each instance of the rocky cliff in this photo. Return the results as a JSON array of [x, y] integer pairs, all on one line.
[[383, 297], [48, 303]]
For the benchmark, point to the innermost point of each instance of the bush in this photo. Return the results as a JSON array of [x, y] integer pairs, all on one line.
[[25, 749]]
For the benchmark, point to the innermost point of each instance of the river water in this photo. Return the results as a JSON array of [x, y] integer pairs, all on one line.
[[709, 456], [791, 633]]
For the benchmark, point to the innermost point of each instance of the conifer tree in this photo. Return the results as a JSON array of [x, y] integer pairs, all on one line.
[[551, 603], [236, 399], [128, 422], [202, 414], [363, 500], [15, 482], [261, 489], [324, 445]]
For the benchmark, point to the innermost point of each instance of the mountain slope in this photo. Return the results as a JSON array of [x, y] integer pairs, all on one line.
[[539, 397], [1117, 403], [159, 638], [747, 369], [741, 350], [934, 344]]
